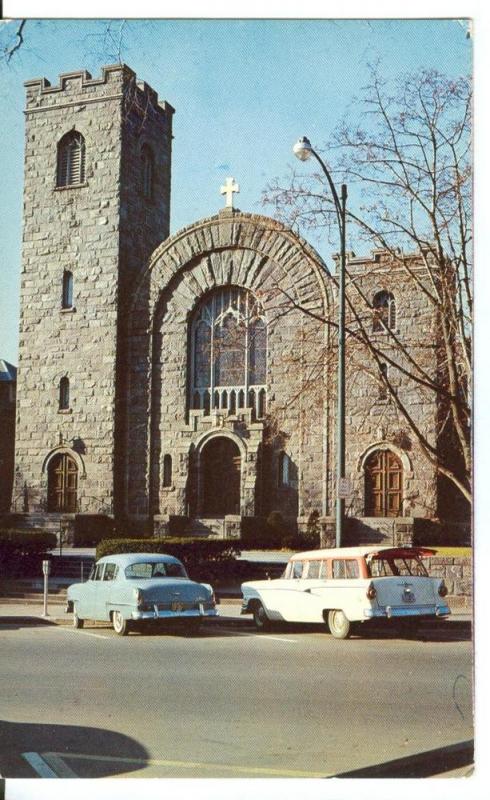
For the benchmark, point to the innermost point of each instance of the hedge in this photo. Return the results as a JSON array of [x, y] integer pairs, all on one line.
[[202, 557], [90, 529], [21, 552], [258, 533], [273, 533]]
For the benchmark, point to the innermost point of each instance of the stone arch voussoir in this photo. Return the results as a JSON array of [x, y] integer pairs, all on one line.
[[271, 251], [384, 445], [58, 451]]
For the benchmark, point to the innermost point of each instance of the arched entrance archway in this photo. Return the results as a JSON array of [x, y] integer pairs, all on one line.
[[383, 484], [220, 477], [62, 484]]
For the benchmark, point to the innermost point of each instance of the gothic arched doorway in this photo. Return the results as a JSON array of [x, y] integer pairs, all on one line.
[[220, 477], [62, 484], [383, 485]]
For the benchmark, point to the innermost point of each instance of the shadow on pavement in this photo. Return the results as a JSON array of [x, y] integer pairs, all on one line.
[[423, 631], [24, 622], [420, 765], [454, 631], [443, 631], [86, 743]]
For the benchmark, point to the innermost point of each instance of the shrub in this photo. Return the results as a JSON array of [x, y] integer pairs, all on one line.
[[21, 552], [258, 533], [309, 539], [177, 525], [202, 557], [278, 532], [253, 533], [90, 529]]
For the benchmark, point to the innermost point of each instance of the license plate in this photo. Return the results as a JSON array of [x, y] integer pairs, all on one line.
[[177, 606]]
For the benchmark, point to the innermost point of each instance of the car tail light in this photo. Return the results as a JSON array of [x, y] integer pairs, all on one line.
[[442, 590], [371, 592]]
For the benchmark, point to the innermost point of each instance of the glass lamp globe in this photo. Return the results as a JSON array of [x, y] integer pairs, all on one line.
[[302, 149]]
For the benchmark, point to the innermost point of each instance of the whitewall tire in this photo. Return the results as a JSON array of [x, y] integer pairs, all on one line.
[[339, 625], [120, 625]]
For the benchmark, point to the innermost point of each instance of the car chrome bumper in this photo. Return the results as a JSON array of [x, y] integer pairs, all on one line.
[[190, 613], [388, 612]]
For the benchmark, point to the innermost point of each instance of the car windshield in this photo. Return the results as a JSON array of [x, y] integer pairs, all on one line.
[[155, 569], [380, 567]]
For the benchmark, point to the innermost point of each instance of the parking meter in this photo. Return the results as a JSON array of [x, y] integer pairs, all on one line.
[[46, 571]]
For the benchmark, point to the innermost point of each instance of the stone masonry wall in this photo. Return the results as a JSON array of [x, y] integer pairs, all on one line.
[[373, 421], [260, 255], [457, 572], [76, 228], [7, 441]]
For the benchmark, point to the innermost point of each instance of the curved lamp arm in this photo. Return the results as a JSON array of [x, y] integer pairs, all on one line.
[[302, 150]]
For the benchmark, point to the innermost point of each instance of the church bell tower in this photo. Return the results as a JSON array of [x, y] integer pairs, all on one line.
[[96, 205]]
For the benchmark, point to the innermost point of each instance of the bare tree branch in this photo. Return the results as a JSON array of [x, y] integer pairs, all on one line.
[[10, 50], [409, 158]]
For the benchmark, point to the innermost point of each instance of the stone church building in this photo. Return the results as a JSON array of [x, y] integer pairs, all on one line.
[[187, 382]]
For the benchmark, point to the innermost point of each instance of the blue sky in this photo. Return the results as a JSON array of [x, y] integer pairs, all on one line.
[[243, 90]]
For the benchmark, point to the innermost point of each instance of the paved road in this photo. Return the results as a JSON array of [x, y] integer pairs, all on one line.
[[232, 703]]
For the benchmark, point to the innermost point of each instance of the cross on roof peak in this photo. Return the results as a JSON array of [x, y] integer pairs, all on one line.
[[228, 189]]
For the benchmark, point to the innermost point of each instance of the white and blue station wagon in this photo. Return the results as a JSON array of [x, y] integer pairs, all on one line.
[[349, 585], [133, 588]]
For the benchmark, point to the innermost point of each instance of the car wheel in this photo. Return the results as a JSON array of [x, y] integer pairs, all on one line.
[[261, 620], [338, 624], [77, 622], [120, 625]]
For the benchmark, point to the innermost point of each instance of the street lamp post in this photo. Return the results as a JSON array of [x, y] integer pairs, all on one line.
[[303, 150]]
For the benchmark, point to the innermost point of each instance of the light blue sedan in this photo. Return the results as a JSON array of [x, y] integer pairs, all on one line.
[[134, 588]]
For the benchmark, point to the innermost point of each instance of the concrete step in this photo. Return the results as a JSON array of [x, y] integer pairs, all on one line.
[[50, 523], [206, 527]]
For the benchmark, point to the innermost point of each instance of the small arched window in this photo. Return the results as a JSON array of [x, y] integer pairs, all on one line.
[[67, 298], [147, 171], [64, 399], [384, 309], [284, 469], [71, 159], [167, 471], [383, 389]]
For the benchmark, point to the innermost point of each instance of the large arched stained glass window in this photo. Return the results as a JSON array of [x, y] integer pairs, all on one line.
[[229, 353]]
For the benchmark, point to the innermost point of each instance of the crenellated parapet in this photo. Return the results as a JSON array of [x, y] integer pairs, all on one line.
[[80, 88]]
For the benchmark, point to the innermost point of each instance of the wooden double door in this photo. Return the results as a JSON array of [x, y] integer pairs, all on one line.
[[62, 484], [383, 485]]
